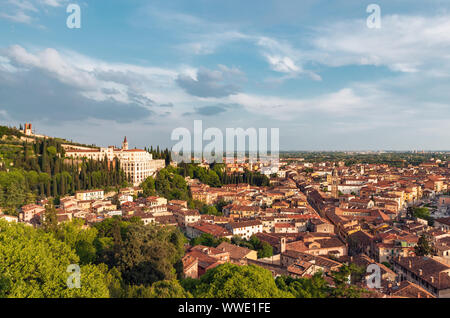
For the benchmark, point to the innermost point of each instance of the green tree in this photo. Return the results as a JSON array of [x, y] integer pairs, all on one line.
[[221, 204], [148, 187], [314, 287], [78, 238], [34, 264], [15, 190], [168, 289], [50, 220], [233, 281], [51, 151], [149, 254], [423, 247], [210, 210], [160, 289], [207, 240], [343, 287], [265, 250], [421, 213]]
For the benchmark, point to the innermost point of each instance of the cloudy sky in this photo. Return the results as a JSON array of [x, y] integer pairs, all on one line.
[[311, 68]]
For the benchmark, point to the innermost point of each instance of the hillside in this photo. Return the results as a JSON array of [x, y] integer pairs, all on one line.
[[33, 168]]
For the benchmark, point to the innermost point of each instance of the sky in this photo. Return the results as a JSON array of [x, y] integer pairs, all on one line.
[[317, 70]]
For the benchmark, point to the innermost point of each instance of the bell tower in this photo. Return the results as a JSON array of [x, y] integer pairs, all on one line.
[[334, 184], [28, 130], [125, 144]]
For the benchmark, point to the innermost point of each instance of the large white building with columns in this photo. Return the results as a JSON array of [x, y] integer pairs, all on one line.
[[137, 164]]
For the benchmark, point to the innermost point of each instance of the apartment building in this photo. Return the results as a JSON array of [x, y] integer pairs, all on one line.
[[137, 164], [245, 229], [89, 195], [428, 273]]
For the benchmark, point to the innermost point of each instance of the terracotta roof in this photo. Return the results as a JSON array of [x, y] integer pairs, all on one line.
[[445, 221], [189, 261], [429, 269], [284, 225], [213, 229], [204, 261], [409, 290], [321, 261], [236, 252], [237, 225], [299, 268], [187, 212]]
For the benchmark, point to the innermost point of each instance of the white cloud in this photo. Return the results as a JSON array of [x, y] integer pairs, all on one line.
[[342, 102], [403, 43], [93, 78], [282, 64], [52, 62], [205, 38], [125, 83], [212, 83], [200, 43], [26, 11], [283, 58], [122, 83], [19, 17], [52, 3], [24, 5]]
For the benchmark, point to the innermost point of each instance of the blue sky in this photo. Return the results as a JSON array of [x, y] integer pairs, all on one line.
[[313, 69]]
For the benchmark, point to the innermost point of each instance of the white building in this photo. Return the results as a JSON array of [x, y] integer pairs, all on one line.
[[269, 170], [125, 198], [348, 188], [137, 164], [245, 229], [9, 218], [90, 195], [444, 203]]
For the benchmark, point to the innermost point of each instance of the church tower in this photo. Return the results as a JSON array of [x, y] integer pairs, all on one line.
[[334, 184], [28, 130], [125, 144]]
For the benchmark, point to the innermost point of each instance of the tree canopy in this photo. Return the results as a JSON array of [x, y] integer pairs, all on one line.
[[160, 289], [207, 239], [233, 281], [34, 264], [264, 249], [424, 247], [315, 287], [148, 254]]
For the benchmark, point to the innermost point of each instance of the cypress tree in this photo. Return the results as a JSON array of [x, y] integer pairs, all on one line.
[[55, 187]]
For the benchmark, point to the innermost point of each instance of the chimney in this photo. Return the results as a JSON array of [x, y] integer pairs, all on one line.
[[432, 279], [410, 264], [420, 272]]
